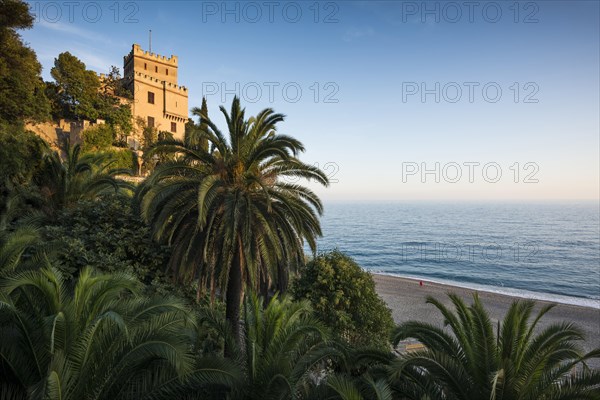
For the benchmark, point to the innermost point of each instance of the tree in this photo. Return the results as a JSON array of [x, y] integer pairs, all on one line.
[[100, 339], [77, 88], [97, 138], [109, 236], [21, 159], [120, 119], [78, 177], [344, 296], [467, 361], [114, 105], [19, 242], [227, 212], [353, 373], [22, 89], [149, 133], [362, 388], [193, 137], [282, 345], [112, 85], [21, 156]]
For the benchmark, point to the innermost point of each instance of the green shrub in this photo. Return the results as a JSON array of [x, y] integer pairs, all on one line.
[[21, 159], [108, 235], [124, 158], [21, 154], [99, 137], [343, 295]]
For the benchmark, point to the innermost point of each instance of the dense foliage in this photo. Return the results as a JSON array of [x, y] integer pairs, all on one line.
[[122, 159], [97, 138], [98, 339], [21, 155], [283, 347], [469, 362], [21, 86], [108, 235], [193, 136], [91, 307], [344, 296], [65, 181], [100, 139], [230, 216], [76, 88]]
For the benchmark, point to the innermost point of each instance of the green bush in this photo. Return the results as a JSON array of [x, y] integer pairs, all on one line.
[[108, 235], [21, 154], [21, 159], [124, 158], [343, 295], [99, 137]]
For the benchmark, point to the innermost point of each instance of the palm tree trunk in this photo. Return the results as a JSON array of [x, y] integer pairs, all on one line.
[[233, 300], [212, 289], [264, 287], [282, 278]]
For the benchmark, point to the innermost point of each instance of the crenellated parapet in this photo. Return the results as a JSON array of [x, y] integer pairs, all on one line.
[[136, 50], [158, 99], [151, 79]]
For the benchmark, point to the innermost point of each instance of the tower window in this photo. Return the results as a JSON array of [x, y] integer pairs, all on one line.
[[155, 69], [167, 71], [145, 66], [151, 97], [150, 122], [173, 127]]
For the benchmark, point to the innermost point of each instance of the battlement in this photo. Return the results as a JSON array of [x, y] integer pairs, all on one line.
[[170, 85], [136, 50], [157, 97]]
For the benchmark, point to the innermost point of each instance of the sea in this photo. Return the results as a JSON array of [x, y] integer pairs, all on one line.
[[546, 250]]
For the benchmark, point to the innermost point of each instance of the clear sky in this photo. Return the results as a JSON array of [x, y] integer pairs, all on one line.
[[388, 89]]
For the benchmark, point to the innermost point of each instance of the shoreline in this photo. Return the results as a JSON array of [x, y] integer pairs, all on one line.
[[510, 292], [406, 298]]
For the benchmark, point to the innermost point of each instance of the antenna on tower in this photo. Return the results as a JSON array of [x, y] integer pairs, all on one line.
[[150, 41]]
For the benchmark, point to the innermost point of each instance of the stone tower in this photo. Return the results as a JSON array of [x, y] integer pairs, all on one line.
[[157, 97]]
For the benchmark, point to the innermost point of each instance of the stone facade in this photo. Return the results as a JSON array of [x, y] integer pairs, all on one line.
[[157, 98]]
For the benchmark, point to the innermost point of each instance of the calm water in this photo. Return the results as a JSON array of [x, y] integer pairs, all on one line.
[[540, 250]]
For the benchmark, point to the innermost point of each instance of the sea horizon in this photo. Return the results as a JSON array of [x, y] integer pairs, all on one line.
[[544, 250]]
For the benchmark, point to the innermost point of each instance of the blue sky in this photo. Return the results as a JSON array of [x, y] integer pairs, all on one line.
[[362, 68]]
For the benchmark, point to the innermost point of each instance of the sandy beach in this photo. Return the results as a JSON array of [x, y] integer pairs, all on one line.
[[407, 298]]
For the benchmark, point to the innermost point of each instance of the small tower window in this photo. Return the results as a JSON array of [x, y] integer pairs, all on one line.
[[150, 122], [155, 69], [167, 71], [174, 127], [145, 66], [151, 97]]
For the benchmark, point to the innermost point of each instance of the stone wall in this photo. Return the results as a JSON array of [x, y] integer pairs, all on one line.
[[56, 132]]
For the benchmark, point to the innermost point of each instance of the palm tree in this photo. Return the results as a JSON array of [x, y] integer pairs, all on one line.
[[78, 177], [19, 235], [100, 339], [228, 212], [283, 348], [16, 245], [470, 362], [365, 387], [355, 374]]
